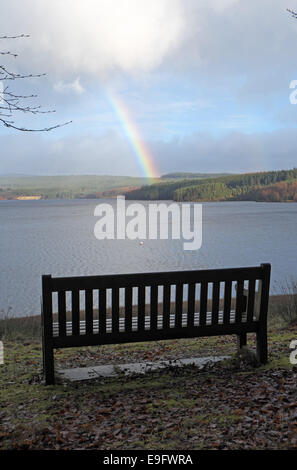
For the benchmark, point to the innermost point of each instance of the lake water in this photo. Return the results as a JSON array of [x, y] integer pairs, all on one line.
[[57, 237]]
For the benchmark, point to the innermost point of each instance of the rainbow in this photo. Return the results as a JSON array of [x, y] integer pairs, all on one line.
[[142, 152]]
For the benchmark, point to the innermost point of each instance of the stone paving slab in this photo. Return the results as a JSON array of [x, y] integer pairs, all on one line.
[[105, 371]]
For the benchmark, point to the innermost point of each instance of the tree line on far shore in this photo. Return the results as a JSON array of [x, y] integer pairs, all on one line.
[[270, 186]]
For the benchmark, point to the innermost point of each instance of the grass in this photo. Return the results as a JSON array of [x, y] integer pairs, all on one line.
[[169, 409], [288, 308], [228, 405], [22, 329]]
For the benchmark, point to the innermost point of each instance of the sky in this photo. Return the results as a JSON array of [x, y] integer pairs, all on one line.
[[152, 87]]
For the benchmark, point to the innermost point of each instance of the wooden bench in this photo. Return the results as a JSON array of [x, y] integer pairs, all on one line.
[[126, 308]]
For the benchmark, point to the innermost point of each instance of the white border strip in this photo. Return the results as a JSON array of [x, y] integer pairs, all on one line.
[[1, 353]]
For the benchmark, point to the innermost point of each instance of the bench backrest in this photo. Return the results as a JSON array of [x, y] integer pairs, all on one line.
[[148, 303]]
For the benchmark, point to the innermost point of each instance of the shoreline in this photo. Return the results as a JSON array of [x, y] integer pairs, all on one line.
[[46, 198], [274, 302]]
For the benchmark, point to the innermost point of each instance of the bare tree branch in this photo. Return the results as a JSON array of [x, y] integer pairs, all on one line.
[[25, 129], [11, 103], [293, 13], [15, 37]]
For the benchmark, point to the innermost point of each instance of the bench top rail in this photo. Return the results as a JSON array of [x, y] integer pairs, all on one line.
[[157, 278]]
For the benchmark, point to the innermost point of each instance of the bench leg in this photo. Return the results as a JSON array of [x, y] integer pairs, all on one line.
[[262, 352], [48, 364], [241, 340]]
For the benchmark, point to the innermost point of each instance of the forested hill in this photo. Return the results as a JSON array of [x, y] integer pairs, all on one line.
[[185, 175], [263, 186]]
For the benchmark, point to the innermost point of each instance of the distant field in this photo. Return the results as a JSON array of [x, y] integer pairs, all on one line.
[[80, 186], [68, 187]]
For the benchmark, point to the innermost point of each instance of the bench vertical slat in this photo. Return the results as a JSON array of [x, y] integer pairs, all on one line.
[[227, 302], [75, 312], [154, 307], [115, 309], [62, 313], [128, 309], [178, 305], [264, 292], [239, 302], [102, 311], [203, 303], [89, 311], [47, 330], [166, 306], [251, 300], [141, 307], [262, 351], [191, 305], [215, 303]]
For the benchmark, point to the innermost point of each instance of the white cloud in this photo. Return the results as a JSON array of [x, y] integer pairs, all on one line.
[[110, 153], [94, 36], [74, 86], [217, 5]]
